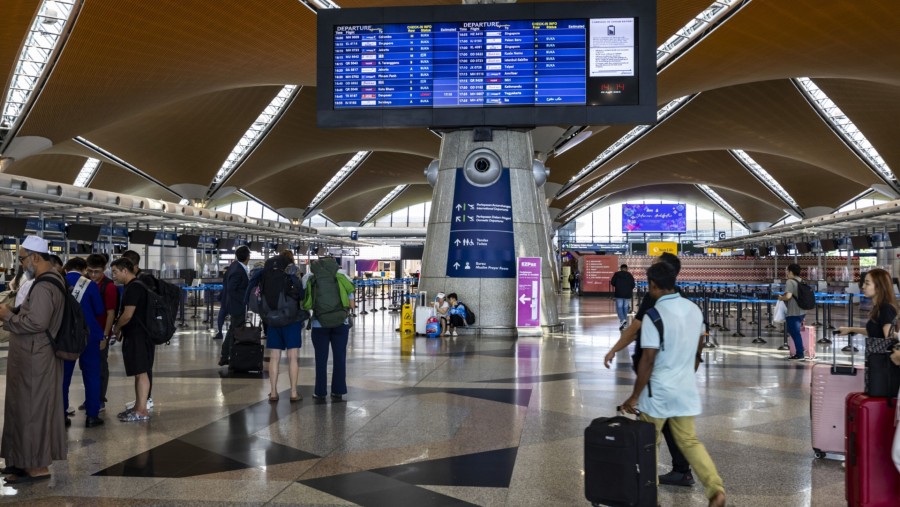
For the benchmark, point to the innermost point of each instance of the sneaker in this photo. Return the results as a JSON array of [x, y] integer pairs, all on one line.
[[80, 407], [130, 405], [623, 325], [218, 336], [70, 411], [135, 417], [674, 478], [102, 407], [795, 357], [124, 413]]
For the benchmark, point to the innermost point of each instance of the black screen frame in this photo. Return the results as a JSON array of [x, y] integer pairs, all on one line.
[[189, 241], [861, 242], [497, 116], [141, 237]]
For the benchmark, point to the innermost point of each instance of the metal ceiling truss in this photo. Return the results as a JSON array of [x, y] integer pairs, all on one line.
[[33, 198], [876, 217]]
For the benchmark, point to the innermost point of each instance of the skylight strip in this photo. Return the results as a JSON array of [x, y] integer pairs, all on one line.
[[40, 44], [851, 135], [722, 203], [625, 141], [578, 211], [766, 179], [88, 170], [254, 135], [339, 178], [615, 173], [383, 203], [691, 33]]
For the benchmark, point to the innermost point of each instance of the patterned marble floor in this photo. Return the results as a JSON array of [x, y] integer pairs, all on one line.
[[465, 421]]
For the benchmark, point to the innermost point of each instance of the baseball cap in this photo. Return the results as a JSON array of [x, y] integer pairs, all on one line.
[[441, 295], [35, 244]]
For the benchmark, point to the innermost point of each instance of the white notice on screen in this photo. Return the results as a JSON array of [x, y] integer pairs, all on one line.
[[612, 47]]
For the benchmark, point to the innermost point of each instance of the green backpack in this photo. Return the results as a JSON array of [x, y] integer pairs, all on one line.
[[323, 295]]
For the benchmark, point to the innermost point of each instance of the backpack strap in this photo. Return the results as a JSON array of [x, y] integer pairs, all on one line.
[[52, 279], [654, 315]]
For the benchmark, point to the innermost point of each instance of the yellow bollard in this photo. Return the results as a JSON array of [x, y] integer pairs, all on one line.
[[407, 328]]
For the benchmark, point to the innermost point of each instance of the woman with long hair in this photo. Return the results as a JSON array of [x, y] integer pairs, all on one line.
[[879, 287]]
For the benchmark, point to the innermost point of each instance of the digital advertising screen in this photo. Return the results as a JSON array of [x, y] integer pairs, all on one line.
[[637, 218], [503, 64]]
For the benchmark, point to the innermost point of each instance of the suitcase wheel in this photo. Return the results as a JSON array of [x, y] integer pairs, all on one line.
[[820, 454]]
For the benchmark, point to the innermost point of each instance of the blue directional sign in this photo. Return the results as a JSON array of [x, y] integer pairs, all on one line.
[[481, 230]]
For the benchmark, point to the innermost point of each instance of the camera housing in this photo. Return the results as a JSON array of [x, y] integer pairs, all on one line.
[[482, 167]]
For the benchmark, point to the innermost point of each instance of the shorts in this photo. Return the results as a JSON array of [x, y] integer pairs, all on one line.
[[137, 354], [286, 337]]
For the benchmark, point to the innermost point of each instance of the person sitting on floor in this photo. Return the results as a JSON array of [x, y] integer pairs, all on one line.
[[457, 313]]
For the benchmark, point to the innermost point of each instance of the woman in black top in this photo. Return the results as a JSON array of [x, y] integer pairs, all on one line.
[[879, 287]]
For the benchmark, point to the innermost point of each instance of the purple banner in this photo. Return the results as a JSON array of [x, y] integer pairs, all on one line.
[[528, 291]]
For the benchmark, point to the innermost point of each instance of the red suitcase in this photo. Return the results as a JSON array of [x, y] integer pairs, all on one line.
[[829, 386], [871, 477]]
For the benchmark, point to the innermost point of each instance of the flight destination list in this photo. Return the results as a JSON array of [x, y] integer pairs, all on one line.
[[488, 63]]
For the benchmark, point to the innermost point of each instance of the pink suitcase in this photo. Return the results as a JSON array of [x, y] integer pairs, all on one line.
[[808, 335], [829, 387]]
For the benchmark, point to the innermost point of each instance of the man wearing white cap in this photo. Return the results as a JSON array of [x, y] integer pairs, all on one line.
[[34, 432]]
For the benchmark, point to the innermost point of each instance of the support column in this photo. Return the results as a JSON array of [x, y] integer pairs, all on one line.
[[487, 209]]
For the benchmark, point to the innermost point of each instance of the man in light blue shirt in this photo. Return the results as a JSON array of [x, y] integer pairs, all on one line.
[[666, 389]]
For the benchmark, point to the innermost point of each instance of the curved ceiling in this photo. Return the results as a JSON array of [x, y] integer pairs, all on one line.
[[169, 88]]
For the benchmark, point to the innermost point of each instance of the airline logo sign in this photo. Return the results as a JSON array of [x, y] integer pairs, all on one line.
[[481, 230]]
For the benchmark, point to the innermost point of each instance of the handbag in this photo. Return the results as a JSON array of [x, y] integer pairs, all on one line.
[[882, 375], [780, 314]]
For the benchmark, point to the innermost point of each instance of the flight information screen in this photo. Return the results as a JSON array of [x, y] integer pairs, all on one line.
[[486, 63]]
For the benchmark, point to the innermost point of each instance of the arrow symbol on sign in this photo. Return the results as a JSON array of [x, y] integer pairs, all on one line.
[[523, 299], [455, 265], [457, 242], [458, 219], [458, 207]]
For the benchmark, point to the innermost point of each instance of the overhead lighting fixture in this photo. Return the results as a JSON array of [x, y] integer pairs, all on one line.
[[767, 180], [88, 170], [625, 141], [840, 123], [37, 52], [338, 178], [722, 203], [572, 142], [315, 5], [254, 136], [383, 203], [696, 29]]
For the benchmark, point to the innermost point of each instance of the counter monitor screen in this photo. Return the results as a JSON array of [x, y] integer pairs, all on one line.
[[509, 65], [142, 237]]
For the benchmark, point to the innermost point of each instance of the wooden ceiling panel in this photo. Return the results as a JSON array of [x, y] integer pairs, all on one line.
[[14, 25], [113, 178], [776, 40], [186, 142], [769, 117], [61, 168], [126, 58], [750, 209], [714, 168], [830, 190], [296, 140], [567, 165], [354, 210], [383, 171], [874, 108], [296, 187]]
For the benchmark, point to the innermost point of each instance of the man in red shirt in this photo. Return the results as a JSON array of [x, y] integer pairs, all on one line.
[[110, 294]]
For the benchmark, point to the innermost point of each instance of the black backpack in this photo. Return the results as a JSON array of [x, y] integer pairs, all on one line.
[[170, 293], [806, 298], [73, 334], [470, 315], [278, 300], [158, 322]]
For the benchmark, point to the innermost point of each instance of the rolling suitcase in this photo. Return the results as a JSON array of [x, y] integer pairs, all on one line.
[[871, 478], [829, 386], [246, 350], [620, 462], [808, 335]]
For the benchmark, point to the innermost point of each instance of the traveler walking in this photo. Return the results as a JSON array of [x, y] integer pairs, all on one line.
[[666, 388], [623, 285], [795, 314]]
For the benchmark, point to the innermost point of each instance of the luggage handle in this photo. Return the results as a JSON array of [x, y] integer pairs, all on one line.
[[834, 334]]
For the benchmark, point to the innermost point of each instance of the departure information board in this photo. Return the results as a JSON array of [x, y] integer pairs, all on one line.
[[485, 63]]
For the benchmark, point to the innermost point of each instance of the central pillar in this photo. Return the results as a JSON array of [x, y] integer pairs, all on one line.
[[488, 209]]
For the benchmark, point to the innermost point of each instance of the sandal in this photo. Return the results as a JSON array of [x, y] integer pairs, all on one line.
[[22, 479], [273, 399], [296, 398]]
